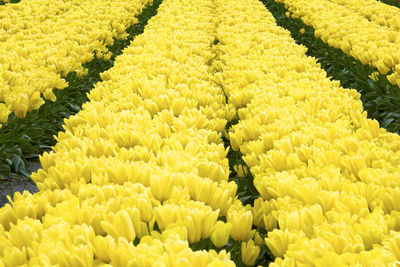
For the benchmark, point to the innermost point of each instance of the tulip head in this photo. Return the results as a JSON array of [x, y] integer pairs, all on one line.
[[242, 222], [220, 234], [250, 252]]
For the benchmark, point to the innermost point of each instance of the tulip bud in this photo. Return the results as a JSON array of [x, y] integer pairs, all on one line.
[[230, 115], [4, 112], [278, 160], [382, 68], [236, 139], [199, 258], [208, 222], [49, 95], [374, 76], [241, 224], [161, 187], [35, 101], [278, 241], [250, 253], [179, 232], [241, 170], [61, 83], [258, 240], [121, 226], [145, 209], [392, 78], [108, 56], [220, 234], [14, 257], [194, 229], [99, 54], [20, 105], [103, 247], [120, 29], [109, 41]]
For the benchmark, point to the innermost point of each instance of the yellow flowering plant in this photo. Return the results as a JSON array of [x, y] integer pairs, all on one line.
[[142, 176], [380, 96], [113, 189], [44, 49], [309, 146]]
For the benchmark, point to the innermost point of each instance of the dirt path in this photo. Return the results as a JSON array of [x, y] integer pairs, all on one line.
[[10, 186]]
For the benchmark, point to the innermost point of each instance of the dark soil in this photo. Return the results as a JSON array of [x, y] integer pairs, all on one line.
[[9, 186]]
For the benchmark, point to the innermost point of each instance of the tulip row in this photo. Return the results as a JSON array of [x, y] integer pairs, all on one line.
[[381, 14], [380, 98], [357, 34], [25, 139], [327, 175], [46, 40], [141, 171], [96, 225]]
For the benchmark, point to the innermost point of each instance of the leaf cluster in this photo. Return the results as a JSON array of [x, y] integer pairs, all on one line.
[[2, 2], [391, 2]]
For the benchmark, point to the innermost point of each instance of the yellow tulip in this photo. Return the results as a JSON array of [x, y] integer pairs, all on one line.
[[4, 113], [145, 209], [249, 252], [20, 105], [121, 226], [236, 140], [392, 78], [241, 170], [103, 247], [14, 256], [374, 76], [194, 228], [208, 222], [242, 222], [161, 187], [25, 233], [220, 234], [278, 241], [258, 240], [49, 95]]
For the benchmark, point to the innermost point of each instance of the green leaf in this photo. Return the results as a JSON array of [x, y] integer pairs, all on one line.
[[371, 84], [19, 165]]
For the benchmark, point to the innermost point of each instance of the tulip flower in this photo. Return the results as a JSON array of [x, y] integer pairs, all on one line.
[[220, 234], [103, 247], [4, 112], [145, 209], [249, 252], [241, 224], [258, 240], [236, 140], [120, 226]]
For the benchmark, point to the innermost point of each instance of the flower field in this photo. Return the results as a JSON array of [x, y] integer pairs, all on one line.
[[356, 44], [376, 24], [45, 48], [210, 138]]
